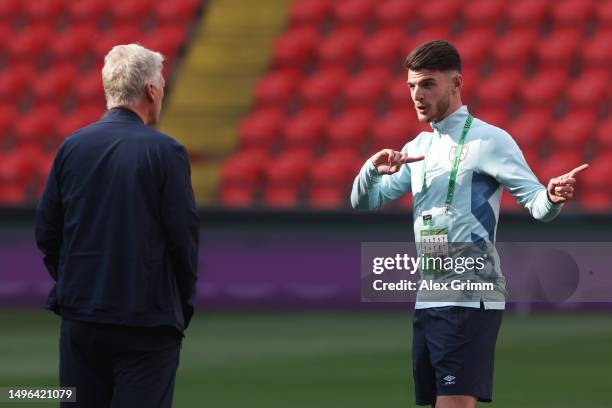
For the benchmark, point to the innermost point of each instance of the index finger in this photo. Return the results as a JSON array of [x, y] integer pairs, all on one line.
[[578, 169], [411, 159]]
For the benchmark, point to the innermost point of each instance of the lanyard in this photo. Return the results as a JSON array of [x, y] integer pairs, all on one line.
[[453, 176]]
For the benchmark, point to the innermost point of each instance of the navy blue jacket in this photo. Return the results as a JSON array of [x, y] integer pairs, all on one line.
[[118, 226]]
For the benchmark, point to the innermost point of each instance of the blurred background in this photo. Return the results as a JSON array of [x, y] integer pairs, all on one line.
[[279, 103]]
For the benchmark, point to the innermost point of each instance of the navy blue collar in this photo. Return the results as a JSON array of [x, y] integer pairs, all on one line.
[[121, 115]]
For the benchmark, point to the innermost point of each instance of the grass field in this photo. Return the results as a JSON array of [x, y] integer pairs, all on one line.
[[353, 360]]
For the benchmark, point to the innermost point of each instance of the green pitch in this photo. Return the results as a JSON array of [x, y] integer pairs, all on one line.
[[338, 360]]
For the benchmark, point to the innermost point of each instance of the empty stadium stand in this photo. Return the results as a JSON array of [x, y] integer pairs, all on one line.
[[335, 92], [50, 81], [280, 102]]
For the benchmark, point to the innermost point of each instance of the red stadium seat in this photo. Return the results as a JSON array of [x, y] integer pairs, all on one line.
[[509, 204], [281, 197], [473, 45], [575, 129], [19, 165], [532, 158], [14, 195], [384, 47], [394, 12], [557, 165], [295, 47], [589, 88], [354, 12], [340, 46], [134, 11], [439, 12], [516, 47], [176, 11], [603, 13], [7, 30], [595, 201], [305, 129], [544, 87], [322, 87], [92, 11], [289, 168], [89, 89], [8, 116], [55, 83], [550, 168], [367, 87], [574, 12], [84, 116], [471, 82], [277, 87], [335, 169], [328, 198], [74, 43], [311, 12], [15, 79], [30, 42], [398, 93], [603, 134], [436, 32], [261, 127], [43, 167], [119, 34], [404, 201], [501, 87], [597, 49], [10, 9], [38, 126], [236, 196], [394, 130], [484, 12], [597, 176], [166, 39], [494, 115], [244, 168], [560, 47], [39, 10], [530, 128], [527, 12], [351, 128]]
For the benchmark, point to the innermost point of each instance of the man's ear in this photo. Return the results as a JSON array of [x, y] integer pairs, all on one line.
[[458, 82], [150, 92]]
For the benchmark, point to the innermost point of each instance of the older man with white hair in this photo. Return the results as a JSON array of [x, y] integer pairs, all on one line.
[[118, 227]]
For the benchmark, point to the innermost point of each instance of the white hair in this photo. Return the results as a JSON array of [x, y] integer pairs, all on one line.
[[127, 70]]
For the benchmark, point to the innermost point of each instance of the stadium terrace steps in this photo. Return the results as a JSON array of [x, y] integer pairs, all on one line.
[[204, 176], [214, 89]]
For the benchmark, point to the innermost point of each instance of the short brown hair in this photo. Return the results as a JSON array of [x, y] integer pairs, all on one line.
[[436, 55]]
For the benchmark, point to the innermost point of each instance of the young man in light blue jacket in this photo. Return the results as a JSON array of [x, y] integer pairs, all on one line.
[[456, 174]]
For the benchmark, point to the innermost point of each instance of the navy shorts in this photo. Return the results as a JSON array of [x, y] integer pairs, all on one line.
[[453, 350]]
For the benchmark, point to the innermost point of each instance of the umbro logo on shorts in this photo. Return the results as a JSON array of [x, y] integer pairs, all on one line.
[[450, 380]]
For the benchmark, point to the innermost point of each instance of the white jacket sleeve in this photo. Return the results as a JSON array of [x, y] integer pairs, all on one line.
[[371, 189], [501, 158]]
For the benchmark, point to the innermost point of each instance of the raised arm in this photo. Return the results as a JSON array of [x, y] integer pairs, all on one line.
[[385, 176], [501, 157]]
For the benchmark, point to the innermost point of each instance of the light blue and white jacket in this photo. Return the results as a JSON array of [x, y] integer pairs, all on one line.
[[490, 160]]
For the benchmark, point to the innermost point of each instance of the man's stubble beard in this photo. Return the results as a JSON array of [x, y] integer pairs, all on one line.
[[442, 108]]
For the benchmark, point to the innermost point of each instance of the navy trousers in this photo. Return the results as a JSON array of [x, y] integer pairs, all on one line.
[[118, 366]]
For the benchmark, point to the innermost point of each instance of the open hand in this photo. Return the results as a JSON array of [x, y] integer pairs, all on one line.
[[389, 161], [561, 189]]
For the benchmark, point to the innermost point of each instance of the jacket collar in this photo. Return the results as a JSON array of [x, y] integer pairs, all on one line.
[[452, 121], [121, 115]]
